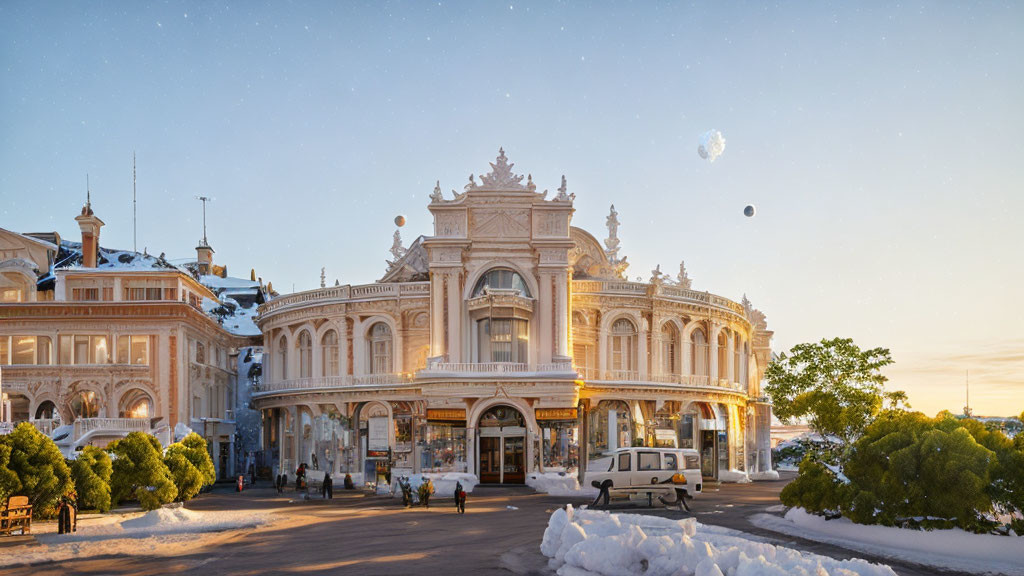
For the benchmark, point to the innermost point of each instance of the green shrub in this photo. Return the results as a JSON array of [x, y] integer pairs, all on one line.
[[9, 483], [816, 489], [42, 474], [140, 473], [91, 472], [190, 466]]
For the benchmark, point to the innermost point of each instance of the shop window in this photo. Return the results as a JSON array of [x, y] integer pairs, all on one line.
[[610, 427], [442, 447], [559, 446]]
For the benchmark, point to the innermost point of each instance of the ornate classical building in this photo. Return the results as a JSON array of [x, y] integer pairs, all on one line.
[[510, 342], [96, 343]]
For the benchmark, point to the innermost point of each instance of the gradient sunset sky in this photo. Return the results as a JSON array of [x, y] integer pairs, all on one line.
[[882, 145]]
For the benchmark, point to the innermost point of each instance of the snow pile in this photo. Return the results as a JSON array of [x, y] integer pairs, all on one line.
[[165, 531], [586, 542], [444, 483], [180, 431], [559, 484], [737, 476], [766, 475], [952, 549]]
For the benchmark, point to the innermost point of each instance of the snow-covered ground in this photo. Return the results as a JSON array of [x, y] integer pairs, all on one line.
[[587, 543], [949, 549], [165, 531], [559, 484]]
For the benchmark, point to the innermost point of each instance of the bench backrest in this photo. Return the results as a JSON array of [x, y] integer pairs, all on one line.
[[17, 502]]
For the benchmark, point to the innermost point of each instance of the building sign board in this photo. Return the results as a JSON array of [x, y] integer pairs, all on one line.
[[556, 413], [377, 432]]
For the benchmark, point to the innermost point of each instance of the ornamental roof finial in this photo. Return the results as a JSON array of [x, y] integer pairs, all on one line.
[[612, 244], [436, 196]]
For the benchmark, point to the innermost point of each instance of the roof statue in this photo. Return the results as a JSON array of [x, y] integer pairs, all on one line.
[[323, 278], [337, 282], [501, 176], [612, 245], [683, 279], [397, 251], [563, 196], [657, 276], [756, 317], [436, 195]]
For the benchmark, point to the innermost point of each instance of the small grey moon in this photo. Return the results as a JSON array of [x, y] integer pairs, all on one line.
[[749, 211]]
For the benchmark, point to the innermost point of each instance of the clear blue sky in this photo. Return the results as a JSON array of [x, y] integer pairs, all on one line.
[[881, 144]]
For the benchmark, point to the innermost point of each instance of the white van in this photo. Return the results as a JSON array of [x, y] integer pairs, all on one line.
[[639, 471]]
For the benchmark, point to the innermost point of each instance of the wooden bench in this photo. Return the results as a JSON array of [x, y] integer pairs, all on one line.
[[16, 515]]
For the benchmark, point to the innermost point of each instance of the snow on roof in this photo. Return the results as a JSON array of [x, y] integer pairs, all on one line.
[[214, 282], [70, 258]]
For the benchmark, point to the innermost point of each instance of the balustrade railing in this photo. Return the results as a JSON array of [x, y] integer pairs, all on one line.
[[641, 289], [395, 290], [496, 367], [46, 425], [685, 380], [85, 425], [325, 382]]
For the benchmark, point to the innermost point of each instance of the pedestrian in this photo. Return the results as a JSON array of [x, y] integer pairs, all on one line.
[[327, 488], [300, 477], [252, 474], [604, 494], [460, 498]]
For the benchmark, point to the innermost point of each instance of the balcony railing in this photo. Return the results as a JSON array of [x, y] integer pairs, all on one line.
[[495, 368], [85, 425], [365, 292], [643, 289], [684, 380], [328, 382], [46, 425]]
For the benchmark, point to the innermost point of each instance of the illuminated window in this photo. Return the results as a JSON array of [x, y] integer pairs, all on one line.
[[503, 340], [380, 348], [85, 405], [305, 355], [669, 349], [700, 352], [501, 279], [329, 352], [133, 350], [623, 345], [136, 404]]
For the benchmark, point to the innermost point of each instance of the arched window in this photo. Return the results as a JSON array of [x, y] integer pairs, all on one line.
[[85, 405], [329, 352], [380, 349], [305, 355], [745, 363], [623, 347], [669, 349], [700, 352], [46, 410], [501, 279], [736, 349], [136, 404], [723, 355], [281, 370]]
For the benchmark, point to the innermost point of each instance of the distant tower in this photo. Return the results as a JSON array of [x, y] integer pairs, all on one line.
[[204, 252], [90, 226]]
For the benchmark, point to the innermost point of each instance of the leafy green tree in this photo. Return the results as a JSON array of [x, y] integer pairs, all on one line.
[[190, 465], [139, 472], [91, 472], [817, 489], [42, 473], [9, 483], [834, 384]]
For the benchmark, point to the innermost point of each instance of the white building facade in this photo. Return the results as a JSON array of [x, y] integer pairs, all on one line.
[[506, 343]]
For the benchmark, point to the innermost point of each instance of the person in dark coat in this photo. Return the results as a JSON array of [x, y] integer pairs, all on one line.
[[460, 498], [327, 488]]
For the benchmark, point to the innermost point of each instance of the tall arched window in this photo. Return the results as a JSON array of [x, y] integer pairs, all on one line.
[[700, 352], [723, 355], [329, 352], [669, 349], [305, 355], [623, 346], [85, 405], [46, 410], [745, 363], [380, 349], [281, 370], [736, 349]]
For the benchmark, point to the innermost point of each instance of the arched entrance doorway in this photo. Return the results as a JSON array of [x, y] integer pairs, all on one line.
[[502, 446]]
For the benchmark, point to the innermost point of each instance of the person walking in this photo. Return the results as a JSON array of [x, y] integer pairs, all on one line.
[[327, 488]]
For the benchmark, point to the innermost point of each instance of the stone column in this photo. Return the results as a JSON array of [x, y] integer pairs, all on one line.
[[643, 359], [685, 355], [602, 352], [730, 357], [713, 353], [562, 314], [546, 314], [343, 337], [436, 314], [454, 317]]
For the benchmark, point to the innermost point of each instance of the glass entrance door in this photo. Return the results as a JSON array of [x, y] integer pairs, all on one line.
[[490, 460], [513, 471], [707, 453]]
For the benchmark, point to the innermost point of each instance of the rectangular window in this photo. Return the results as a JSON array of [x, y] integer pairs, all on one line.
[[99, 353], [108, 294], [66, 347], [85, 294], [10, 295], [671, 462], [170, 294], [624, 462], [649, 460], [5, 345], [23, 350], [81, 350], [43, 350]]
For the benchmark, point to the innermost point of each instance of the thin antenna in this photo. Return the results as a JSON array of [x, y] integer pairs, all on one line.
[[204, 200], [135, 227], [88, 195]]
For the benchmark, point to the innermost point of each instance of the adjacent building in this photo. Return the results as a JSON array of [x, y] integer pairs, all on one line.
[[510, 342], [96, 343]]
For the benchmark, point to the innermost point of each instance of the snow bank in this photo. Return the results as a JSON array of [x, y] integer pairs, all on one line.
[[165, 531], [766, 475], [952, 549], [559, 484], [180, 431], [444, 483], [586, 543], [733, 476]]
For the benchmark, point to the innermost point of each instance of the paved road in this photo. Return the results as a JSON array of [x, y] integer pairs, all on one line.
[[354, 534]]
